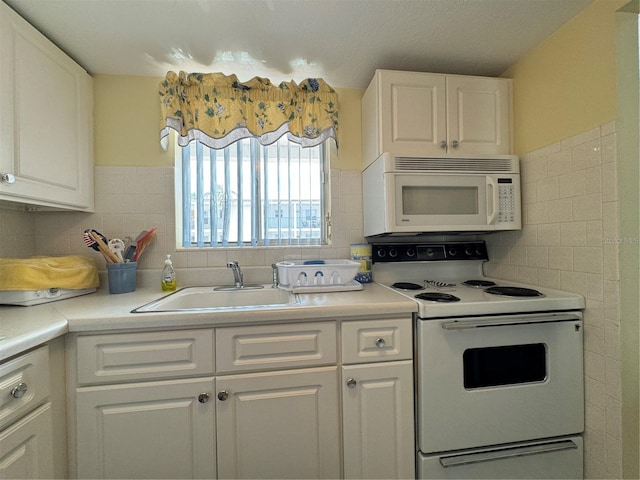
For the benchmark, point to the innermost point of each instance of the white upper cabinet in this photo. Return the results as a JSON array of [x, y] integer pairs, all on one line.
[[46, 120], [432, 115]]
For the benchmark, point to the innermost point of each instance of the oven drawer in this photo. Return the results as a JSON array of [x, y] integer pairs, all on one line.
[[376, 341], [559, 458]]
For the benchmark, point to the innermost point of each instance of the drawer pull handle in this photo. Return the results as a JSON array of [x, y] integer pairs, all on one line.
[[352, 382], [19, 390], [223, 395], [203, 397], [380, 343]]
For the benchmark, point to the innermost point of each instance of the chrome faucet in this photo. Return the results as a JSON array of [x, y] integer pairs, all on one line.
[[237, 273]]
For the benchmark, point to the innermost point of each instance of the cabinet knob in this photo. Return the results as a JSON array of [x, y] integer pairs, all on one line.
[[443, 144], [380, 343], [203, 397], [19, 390], [455, 143], [352, 382], [8, 178], [223, 395]]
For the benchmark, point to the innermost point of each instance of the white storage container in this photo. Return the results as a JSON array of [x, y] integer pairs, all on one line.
[[316, 273]]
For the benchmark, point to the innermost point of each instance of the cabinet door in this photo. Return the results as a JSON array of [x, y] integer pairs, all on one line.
[[279, 424], [26, 447], [46, 119], [413, 113], [478, 115], [146, 430], [378, 425]]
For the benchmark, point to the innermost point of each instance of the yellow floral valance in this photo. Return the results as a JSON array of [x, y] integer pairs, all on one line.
[[218, 110]]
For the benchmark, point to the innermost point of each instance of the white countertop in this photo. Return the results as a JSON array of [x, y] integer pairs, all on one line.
[[26, 327]]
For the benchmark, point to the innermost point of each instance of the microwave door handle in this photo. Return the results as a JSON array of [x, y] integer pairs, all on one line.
[[492, 201]]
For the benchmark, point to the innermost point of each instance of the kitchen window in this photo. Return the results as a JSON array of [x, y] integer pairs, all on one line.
[[252, 163], [248, 194]]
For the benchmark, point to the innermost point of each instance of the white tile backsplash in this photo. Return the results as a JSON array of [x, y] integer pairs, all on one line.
[[570, 209], [132, 199]]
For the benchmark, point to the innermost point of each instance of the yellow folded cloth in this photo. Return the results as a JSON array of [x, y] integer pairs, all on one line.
[[37, 273]]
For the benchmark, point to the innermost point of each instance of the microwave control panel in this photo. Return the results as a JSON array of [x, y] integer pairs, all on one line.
[[506, 201]]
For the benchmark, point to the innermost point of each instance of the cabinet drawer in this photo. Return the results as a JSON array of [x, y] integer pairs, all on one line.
[[376, 341], [275, 346], [24, 384], [145, 355]]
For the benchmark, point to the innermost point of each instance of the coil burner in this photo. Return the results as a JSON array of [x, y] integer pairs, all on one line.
[[514, 291], [407, 286], [437, 297], [479, 283]]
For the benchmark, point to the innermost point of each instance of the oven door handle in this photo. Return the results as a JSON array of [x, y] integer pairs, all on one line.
[[497, 322], [502, 454]]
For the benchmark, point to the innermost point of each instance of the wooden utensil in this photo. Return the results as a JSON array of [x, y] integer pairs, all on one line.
[[108, 255], [146, 240]]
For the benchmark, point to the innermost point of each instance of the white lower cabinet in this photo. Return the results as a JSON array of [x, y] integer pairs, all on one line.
[[377, 408], [26, 419], [26, 448], [244, 402], [377, 399], [279, 424], [147, 430]]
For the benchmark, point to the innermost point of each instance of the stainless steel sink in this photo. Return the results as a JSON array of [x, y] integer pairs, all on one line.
[[214, 299]]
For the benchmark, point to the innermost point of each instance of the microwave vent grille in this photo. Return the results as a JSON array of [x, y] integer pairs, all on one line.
[[480, 165]]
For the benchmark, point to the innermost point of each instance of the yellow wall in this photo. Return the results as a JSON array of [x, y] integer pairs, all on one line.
[[127, 122], [567, 85], [127, 119]]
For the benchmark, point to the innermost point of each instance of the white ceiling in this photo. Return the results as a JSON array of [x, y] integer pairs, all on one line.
[[342, 41]]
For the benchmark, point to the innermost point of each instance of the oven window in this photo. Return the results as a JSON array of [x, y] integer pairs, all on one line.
[[508, 365]]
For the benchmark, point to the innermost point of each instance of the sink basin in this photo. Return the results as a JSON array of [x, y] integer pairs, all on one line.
[[210, 299]]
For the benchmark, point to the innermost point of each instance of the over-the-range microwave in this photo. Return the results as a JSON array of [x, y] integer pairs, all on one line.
[[409, 195]]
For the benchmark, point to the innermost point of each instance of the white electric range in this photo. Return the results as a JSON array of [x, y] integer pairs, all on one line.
[[499, 365]]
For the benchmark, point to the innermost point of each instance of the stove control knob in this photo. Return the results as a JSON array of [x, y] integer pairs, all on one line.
[[410, 252], [393, 253], [382, 253], [479, 252], [453, 252], [468, 251], [429, 252]]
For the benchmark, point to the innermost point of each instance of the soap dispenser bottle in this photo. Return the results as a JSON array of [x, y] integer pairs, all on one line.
[[168, 276]]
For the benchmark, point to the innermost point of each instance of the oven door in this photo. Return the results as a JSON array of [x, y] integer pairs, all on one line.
[[496, 380]]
